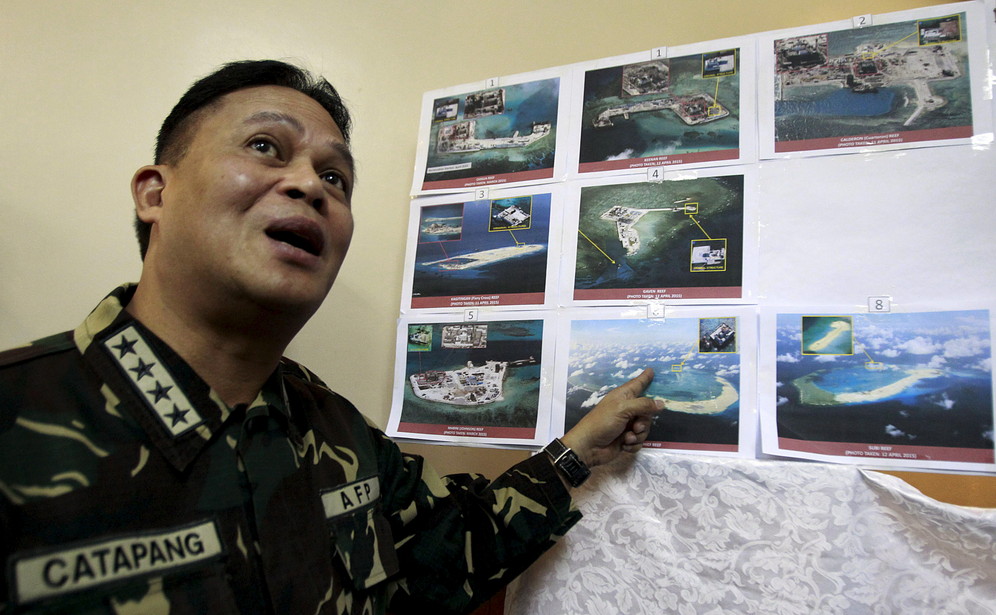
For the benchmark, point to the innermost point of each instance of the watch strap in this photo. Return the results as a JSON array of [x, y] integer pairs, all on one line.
[[567, 462]]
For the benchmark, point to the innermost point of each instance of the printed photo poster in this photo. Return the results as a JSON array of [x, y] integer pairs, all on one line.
[[908, 79], [688, 238], [501, 131], [481, 381], [674, 106], [895, 389], [703, 359], [493, 252]]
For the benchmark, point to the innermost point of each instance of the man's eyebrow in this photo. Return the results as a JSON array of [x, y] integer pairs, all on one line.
[[261, 117], [347, 156]]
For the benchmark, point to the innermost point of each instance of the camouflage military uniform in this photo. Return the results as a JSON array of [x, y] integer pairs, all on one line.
[[126, 485]]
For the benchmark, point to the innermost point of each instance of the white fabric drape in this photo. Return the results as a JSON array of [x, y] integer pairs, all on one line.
[[667, 533]]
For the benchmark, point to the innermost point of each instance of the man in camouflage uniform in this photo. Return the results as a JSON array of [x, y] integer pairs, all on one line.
[[164, 457]]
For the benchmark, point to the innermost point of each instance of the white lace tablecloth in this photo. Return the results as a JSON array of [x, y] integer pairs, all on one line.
[[693, 535]]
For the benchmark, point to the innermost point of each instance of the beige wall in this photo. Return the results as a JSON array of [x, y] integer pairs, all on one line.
[[84, 85]]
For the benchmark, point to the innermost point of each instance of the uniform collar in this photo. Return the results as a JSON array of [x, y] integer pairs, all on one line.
[[153, 385]]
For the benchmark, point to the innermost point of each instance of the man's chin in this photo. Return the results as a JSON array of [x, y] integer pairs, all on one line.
[[285, 298]]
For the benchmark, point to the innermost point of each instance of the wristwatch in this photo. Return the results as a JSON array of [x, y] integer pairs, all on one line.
[[567, 461]]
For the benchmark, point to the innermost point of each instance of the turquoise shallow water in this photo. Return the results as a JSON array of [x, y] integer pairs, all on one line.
[[690, 384], [859, 380]]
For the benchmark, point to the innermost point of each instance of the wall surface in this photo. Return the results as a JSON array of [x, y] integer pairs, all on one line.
[[85, 85]]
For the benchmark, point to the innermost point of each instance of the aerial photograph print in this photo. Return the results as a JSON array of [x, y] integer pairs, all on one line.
[[906, 82], [661, 112], [906, 387]]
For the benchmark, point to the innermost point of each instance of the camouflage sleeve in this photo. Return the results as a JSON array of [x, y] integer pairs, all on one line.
[[460, 538]]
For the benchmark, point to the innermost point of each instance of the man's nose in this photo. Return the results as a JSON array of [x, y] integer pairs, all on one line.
[[301, 181]]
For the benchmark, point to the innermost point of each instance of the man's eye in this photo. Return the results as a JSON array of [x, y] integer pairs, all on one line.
[[334, 179], [263, 146]]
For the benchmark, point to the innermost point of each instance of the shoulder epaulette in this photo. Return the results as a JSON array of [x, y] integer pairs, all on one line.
[[59, 342]]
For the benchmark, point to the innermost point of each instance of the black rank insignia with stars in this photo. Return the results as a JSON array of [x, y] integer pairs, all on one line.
[[152, 380]]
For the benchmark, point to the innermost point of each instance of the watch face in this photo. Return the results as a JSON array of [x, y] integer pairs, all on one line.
[[568, 462], [577, 472]]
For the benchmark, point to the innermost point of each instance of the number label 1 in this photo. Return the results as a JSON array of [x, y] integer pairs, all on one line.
[[658, 53]]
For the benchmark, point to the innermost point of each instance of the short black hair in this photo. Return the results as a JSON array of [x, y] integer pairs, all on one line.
[[178, 127]]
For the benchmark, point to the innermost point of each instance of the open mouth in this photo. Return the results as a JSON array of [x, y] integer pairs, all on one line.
[[302, 235]]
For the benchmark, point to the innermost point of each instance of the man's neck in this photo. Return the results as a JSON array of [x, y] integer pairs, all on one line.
[[234, 356]]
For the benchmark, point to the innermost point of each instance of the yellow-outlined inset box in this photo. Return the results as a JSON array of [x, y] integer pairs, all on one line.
[[707, 255], [827, 338], [939, 30], [518, 214]]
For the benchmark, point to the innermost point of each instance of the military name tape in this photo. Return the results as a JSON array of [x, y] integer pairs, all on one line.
[[56, 573]]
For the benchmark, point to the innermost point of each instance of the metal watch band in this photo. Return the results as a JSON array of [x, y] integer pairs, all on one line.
[[567, 461]]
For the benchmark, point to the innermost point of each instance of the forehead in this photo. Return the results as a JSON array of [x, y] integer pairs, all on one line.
[[269, 104]]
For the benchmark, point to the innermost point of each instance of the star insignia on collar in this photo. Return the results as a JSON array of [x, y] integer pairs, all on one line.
[[132, 354], [177, 415], [125, 347], [160, 392], [142, 370]]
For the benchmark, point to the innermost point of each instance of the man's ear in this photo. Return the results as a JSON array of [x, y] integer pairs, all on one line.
[[147, 191]]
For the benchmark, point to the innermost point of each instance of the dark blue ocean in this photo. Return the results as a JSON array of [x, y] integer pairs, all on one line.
[[842, 102]]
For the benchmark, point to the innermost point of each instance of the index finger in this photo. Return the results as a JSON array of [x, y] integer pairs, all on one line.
[[639, 384]]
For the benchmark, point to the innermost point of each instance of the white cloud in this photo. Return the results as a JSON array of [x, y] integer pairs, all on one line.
[[894, 431], [964, 347], [890, 353], [788, 358], [623, 155], [634, 374], [591, 401], [945, 402], [874, 342], [937, 362], [782, 400], [920, 345]]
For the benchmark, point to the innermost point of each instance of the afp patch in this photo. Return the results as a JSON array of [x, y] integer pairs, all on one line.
[[153, 381], [351, 497], [87, 566]]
